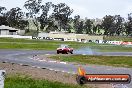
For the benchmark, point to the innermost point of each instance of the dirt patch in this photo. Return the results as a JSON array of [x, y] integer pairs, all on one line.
[[43, 74]]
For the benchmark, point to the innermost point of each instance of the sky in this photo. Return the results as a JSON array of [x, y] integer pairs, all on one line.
[[85, 8]]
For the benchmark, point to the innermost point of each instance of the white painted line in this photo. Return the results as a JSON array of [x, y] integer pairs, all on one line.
[[63, 62], [51, 69], [44, 60], [73, 73], [34, 66], [83, 54], [47, 54], [38, 67], [37, 58], [52, 61], [21, 64], [41, 60], [64, 71], [68, 72], [108, 69], [30, 57], [56, 70]]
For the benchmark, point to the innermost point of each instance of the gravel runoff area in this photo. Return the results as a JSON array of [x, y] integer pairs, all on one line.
[[38, 73]]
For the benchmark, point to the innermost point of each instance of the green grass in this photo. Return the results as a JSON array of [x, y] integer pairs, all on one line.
[[121, 61], [10, 43], [26, 82], [28, 46]]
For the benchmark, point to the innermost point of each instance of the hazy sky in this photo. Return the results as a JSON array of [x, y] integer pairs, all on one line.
[[85, 8]]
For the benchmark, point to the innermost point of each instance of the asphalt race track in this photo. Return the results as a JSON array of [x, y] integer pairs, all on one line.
[[24, 57]]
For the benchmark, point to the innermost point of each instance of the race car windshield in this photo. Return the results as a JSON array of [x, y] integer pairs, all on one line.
[[64, 46]]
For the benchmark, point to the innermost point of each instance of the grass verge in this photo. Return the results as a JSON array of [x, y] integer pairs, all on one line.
[[10, 43], [118, 61], [26, 82]]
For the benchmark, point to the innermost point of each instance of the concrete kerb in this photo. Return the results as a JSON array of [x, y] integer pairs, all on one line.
[[39, 67]]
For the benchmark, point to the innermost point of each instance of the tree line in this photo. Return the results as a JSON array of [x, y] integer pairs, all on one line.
[[57, 17]]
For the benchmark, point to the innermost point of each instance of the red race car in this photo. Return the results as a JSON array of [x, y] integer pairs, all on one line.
[[64, 49]]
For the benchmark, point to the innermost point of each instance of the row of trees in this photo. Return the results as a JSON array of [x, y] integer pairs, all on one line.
[[57, 17], [13, 18], [110, 26]]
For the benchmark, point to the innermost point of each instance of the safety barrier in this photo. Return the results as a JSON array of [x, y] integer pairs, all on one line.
[[16, 36]]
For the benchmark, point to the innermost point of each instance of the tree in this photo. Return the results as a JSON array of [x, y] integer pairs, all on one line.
[[33, 6], [128, 25], [43, 19], [119, 24], [3, 19], [14, 16], [61, 13], [70, 25], [76, 24], [80, 27], [51, 27], [2, 9], [23, 24], [88, 26], [108, 25], [98, 27]]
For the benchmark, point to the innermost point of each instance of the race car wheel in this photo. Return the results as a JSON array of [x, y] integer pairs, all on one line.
[[66, 52], [58, 52], [71, 52]]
